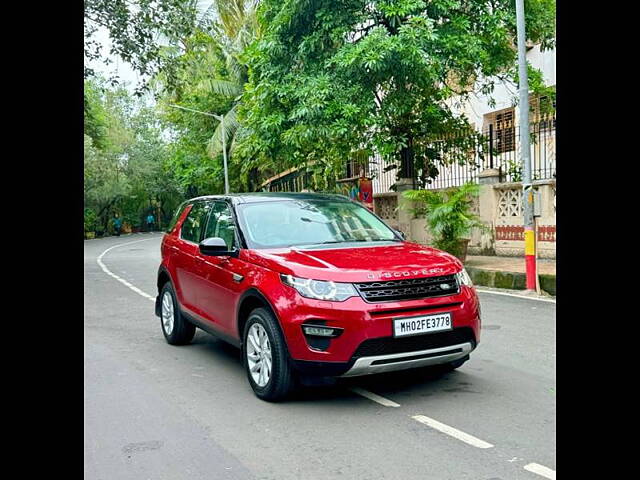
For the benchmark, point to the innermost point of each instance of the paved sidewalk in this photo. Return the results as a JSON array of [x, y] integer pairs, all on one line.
[[509, 272], [509, 264]]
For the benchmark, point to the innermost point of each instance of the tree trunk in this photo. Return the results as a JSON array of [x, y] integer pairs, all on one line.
[[407, 154], [253, 180], [159, 212], [105, 210]]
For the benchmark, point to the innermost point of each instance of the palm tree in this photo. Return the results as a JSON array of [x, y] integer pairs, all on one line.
[[235, 28]]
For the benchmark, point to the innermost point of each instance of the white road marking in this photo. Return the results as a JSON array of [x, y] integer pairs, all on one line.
[[548, 300], [376, 398], [120, 279], [546, 472], [454, 432]]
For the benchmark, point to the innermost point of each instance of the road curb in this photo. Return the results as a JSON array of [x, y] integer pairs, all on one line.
[[509, 280]]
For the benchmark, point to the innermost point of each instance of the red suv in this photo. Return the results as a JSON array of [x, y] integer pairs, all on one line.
[[311, 285]]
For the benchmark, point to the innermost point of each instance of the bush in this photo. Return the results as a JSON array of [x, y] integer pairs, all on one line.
[[132, 219], [448, 214], [90, 219]]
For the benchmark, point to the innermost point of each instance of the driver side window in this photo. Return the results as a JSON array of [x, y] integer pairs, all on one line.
[[221, 224]]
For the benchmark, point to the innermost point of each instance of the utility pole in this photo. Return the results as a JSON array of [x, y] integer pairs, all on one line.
[[525, 150], [220, 118]]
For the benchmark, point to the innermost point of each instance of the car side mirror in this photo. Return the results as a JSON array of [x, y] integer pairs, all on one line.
[[216, 247]]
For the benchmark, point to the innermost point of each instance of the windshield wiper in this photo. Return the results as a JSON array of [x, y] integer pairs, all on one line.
[[330, 242], [354, 240], [375, 240]]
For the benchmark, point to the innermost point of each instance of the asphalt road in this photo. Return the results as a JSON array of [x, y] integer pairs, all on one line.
[[155, 411]]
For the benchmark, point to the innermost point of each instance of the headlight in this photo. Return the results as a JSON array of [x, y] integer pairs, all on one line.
[[319, 289], [464, 278]]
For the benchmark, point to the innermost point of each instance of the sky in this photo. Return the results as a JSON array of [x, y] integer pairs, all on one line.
[[123, 69]]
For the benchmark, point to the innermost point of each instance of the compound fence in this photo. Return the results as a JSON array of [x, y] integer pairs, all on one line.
[[454, 160], [459, 158]]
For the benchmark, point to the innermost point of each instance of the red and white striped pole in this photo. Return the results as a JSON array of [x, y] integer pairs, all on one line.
[[525, 151]]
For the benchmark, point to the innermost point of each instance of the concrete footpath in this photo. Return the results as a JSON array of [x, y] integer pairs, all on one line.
[[509, 272]]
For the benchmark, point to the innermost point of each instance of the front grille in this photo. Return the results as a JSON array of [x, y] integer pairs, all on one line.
[[389, 345], [416, 310], [408, 289]]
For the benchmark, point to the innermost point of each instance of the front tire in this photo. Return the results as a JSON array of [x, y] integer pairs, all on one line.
[[266, 358], [451, 366], [176, 329]]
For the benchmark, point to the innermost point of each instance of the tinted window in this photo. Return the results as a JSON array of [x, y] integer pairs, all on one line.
[[194, 223], [310, 222], [221, 224]]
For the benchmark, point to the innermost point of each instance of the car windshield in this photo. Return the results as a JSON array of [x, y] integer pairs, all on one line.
[[289, 223]]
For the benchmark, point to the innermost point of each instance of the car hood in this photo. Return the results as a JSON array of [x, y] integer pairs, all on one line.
[[359, 264]]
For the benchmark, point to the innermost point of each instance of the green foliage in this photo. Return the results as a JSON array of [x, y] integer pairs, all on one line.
[[95, 121], [126, 172], [212, 80], [301, 83], [448, 214], [327, 78], [514, 171], [90, 220], [146, 34]]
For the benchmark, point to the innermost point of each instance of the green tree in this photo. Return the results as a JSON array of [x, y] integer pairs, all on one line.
[[146, 34], [212, 80], [329, 78], [104, 183], [95, 118], [189, 158], [236, 28], [127, 172]]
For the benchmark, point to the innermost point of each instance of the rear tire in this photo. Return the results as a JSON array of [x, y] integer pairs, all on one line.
[[266, 358], [176, 329]]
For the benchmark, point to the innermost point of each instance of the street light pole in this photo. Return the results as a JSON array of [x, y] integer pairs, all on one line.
[[525, 150], [224, 156], [220, 118]]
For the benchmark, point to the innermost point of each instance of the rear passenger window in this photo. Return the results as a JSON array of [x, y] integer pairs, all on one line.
[[195, 222]]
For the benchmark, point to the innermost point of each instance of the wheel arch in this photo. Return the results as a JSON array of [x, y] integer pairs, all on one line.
[[249, 301], [163, 278]]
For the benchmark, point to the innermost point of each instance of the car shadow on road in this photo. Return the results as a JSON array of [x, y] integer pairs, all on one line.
[[421, 382], [418, 382], [412, 383], [225, 354]]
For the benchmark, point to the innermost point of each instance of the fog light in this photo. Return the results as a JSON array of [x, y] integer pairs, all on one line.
[[321, 331]]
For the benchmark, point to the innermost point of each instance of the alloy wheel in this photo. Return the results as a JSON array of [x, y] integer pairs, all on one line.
[[167, 313], [259, 359]]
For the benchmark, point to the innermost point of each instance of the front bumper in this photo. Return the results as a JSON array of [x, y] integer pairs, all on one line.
[[402, 361], [366, 344]]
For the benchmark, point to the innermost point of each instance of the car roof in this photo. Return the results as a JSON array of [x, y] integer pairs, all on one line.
[[254, 197]]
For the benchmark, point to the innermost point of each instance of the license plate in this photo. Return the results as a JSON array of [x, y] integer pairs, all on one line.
[[438, 322]]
